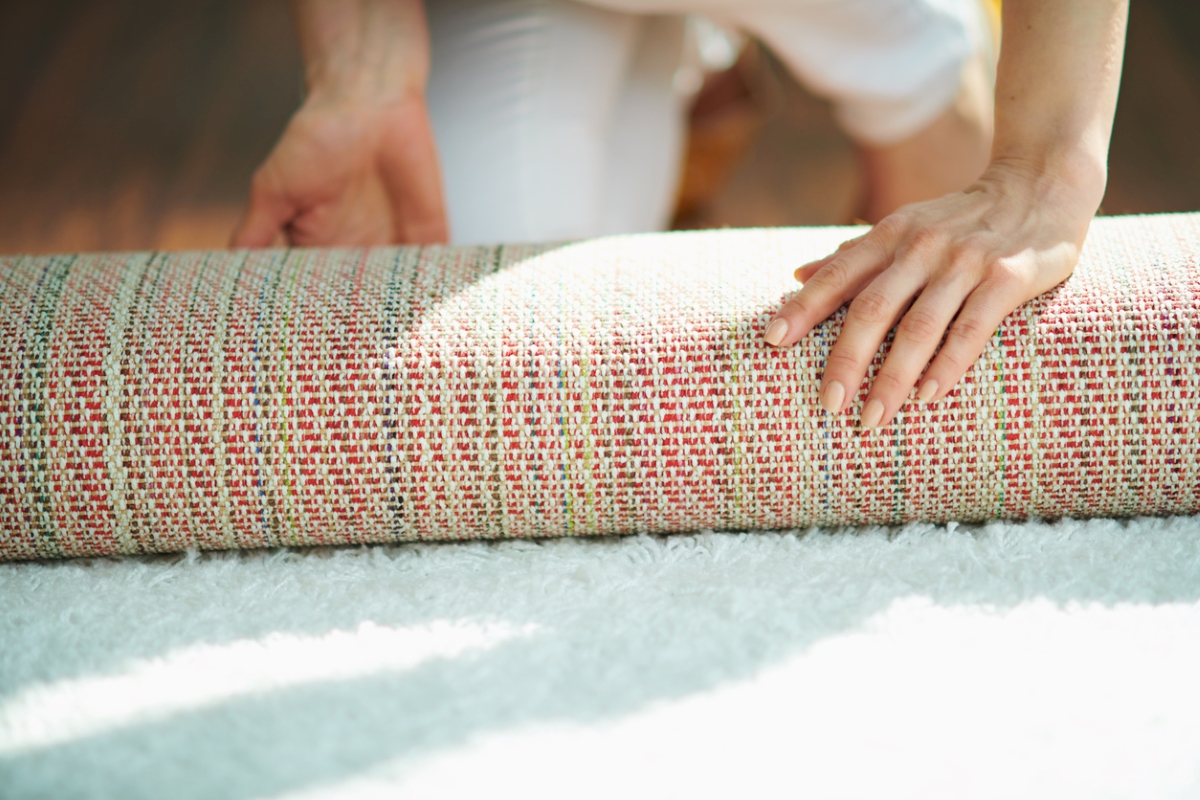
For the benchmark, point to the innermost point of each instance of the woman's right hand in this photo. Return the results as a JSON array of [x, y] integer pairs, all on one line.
[[357, 164]]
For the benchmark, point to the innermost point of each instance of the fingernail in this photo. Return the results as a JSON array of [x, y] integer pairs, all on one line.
[[871, 415], [776, 331], [832, 397], [927, 391]]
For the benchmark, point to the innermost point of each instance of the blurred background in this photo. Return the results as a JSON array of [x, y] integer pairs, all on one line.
[[136, 124]]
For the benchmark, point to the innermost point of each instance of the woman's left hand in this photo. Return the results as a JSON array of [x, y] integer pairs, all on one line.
[[952, 267]]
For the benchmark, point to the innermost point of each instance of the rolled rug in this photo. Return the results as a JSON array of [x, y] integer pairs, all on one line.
[[154, 402]]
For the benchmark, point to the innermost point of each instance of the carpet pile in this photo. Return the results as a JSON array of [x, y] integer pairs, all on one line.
[[1044, 660]]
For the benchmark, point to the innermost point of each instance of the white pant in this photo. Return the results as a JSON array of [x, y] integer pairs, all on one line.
[[558, 119]]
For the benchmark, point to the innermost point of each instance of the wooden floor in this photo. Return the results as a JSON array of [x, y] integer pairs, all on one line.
[[135, 124]]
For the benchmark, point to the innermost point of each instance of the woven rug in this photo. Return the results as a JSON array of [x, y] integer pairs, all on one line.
[[160, 402]]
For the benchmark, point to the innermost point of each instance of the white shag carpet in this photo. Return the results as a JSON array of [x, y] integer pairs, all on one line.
[[1009, 660]]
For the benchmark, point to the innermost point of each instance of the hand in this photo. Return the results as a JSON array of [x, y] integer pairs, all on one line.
[[349, 173], [955, 266], [357, 164]]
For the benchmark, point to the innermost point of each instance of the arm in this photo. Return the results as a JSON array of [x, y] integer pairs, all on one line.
[[958, 265], [357, 163]]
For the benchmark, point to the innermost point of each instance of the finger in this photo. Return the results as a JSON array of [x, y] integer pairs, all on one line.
[[806, 271], [917, 338], [981, 315], [871, 315], [266, 217], [413, 182], [833, 284]]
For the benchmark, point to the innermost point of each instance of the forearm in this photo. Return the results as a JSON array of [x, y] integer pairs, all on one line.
[[1056, 88], [364, 49]]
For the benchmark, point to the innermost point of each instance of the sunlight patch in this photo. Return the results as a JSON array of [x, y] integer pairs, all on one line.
[[206, 674], [1039, 700]]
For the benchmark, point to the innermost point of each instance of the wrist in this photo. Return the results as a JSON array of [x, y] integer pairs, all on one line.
[[364, 51], [1071, 177], [361, 85]]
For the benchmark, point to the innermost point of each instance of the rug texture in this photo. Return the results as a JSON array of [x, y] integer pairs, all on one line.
[[1008, 660], [158, 402]]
